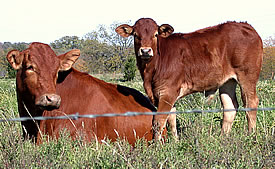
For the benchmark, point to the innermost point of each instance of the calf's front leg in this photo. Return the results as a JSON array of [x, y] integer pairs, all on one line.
[[159, 121]]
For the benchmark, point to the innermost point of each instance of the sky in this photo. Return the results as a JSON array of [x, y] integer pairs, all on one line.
[[48, 20]]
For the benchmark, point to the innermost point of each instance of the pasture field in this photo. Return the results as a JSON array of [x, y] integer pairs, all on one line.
[[200, 144]]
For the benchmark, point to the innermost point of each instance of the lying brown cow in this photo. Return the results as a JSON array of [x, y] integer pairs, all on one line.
[[176, 65], [47, 86]]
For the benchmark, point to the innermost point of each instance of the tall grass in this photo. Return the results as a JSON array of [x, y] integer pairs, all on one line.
[[200, 144]]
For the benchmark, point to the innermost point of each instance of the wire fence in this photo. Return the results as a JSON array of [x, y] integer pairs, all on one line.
[[76, 116]]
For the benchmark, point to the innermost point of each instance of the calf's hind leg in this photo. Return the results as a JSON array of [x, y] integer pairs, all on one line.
[[229, 101], [251, 100], [173, 123]]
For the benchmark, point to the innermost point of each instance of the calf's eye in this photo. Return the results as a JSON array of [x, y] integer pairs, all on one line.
[[137, 37]]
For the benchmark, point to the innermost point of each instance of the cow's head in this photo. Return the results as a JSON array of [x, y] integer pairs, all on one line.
[[146, 33], [39, 67]]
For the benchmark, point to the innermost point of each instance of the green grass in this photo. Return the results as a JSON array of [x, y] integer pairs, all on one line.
[[200, 144]]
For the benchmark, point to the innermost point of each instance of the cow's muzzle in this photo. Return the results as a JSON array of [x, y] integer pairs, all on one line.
[[49, 101], [145, 52]]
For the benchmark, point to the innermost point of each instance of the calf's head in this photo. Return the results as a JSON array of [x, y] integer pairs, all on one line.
[[38, 68], [146, 33]]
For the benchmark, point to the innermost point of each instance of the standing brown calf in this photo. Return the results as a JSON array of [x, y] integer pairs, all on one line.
[[175, 65], [47, 85]]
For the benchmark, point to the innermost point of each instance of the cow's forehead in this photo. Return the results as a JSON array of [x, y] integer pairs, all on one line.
[[145, 25], [41, 49], [41, 54], [38, 50]]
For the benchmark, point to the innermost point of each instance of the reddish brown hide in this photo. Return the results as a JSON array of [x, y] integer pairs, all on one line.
[[47, 85], [174, 65]]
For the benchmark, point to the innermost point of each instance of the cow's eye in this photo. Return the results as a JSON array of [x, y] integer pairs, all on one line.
[[156, 35], [30, 68]]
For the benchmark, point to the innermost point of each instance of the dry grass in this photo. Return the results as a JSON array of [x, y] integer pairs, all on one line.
[[200, 144]]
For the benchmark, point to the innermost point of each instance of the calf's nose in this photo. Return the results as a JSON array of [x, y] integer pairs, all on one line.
[[146, 52]]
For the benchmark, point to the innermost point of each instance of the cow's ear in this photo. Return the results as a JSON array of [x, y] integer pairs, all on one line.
[[68, 59], [124, 30], [15, 59], [165, 30]]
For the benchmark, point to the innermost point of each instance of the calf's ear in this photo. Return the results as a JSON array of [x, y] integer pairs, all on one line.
[[15, 59], [68, 59], [165, 30], [124, 30]]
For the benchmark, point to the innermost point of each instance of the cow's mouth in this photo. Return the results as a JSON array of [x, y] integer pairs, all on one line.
[[146, 57], [48, 108]]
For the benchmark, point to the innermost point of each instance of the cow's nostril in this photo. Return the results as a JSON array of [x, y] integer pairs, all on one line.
[[48, 99]]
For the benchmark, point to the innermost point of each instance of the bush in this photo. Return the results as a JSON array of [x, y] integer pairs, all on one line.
[[130, 69], [11, 73]]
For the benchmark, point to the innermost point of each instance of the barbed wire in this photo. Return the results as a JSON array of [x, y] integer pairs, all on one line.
[[76, 116]]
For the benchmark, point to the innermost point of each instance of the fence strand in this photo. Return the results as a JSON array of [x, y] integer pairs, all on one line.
[[76, 116]]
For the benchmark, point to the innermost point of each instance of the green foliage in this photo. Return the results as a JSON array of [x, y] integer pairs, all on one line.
[[268, 65], [100, 57], [105, 51], [11, 73], [130, 68], [67, 42], [200, 144], [4, 49], [102, 50]]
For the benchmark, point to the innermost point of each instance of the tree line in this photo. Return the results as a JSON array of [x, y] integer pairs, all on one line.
[[103, 51]]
